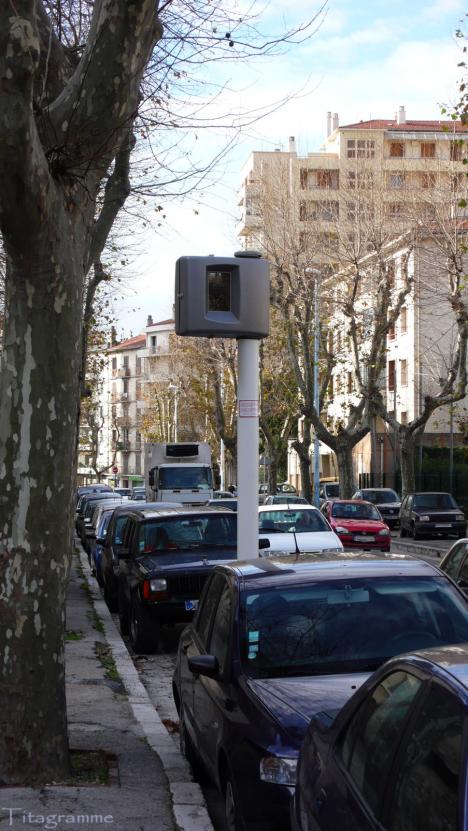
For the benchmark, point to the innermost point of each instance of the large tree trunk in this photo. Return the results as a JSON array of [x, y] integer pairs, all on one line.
[[39, 386], [344, 458], [408, 442], [302, 449]]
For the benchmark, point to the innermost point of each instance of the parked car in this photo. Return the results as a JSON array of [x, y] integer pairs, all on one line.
[[112, 542], [94, 488], [223, 495], [296, 528], [455, 564], [328, 490], [285, 487], [274, 643], [263, 492], [431, 514], [395, 757], [165, 559], [138, 495], [95, 548], [91, 519], [126, 493], [386, 500], [82, 506], [285, 499], [230, 504], [357, 524]]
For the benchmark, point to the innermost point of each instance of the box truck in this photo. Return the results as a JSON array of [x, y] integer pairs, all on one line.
[[179, 472]]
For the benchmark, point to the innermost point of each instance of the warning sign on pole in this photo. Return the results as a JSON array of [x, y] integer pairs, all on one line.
[[248, 409]]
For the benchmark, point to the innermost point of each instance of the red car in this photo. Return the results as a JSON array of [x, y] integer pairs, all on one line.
[[358, 524]]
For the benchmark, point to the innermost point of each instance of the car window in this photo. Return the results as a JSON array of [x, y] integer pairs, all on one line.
[[219, 641], [347, 624], [452, 564], [207, 607], [375, 732], [184, 533], [463, 576], [119, 529], [434, 501], [428, 773], [300, 520], [355, 510]]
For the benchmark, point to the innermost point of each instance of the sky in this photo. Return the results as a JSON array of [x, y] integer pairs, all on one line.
[[366, 59]]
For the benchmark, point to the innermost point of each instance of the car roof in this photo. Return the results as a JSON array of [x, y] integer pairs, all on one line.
[[430, 493], [289, 506], [150, 512], [377, 489], [346, 564], [350, 502]]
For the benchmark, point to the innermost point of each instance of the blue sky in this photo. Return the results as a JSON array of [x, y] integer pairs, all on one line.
[[368, 58]]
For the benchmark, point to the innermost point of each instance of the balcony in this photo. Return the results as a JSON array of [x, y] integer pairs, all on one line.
[[155, 351]]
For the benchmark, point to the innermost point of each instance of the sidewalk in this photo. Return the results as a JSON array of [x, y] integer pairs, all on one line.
[[151, 787]]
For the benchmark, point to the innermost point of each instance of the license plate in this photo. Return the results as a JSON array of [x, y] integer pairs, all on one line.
[[364, 539], [191, 605], [443, 524]]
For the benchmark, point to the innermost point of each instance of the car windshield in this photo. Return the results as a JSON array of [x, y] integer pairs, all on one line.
[[191, 532], [185, 477], [332, 490], [378, 497], [354, 510], [347, 625], [429, 501], [300, 520]]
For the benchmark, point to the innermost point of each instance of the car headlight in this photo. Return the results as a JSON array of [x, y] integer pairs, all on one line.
[[384, 532], [279, 770], [341, 530], [423, 518], [159, 585], [460, 517]]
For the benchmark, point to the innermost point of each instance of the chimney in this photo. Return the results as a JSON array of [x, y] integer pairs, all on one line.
[[149, 322], [329, 123], [335, 122], [401, 116], [292, 144]]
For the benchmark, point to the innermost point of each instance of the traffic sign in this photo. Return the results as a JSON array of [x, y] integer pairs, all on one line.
[[115, 469]]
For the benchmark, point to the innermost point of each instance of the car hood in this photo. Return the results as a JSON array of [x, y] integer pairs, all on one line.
[[306, 541], [294, 701], [383, 505], [437, 512], [177, 560], [370, 525]]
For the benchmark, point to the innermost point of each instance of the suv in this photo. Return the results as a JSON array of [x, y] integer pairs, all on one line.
[[165, 557], [424, 514], [328, 490]]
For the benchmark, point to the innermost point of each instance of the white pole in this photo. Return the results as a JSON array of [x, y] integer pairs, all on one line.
[[247, 449], [221, 465], [316, 387]]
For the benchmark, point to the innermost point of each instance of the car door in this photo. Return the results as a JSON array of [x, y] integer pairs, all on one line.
[[193, 643], [430, 770], [462, 578], [454, 560], [350, 793], [212, 700]]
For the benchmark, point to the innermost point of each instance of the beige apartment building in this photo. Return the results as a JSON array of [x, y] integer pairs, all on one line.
[[131, 368], [371, 178]]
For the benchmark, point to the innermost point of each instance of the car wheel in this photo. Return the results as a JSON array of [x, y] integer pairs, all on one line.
[[110, 599], [233, 813], [185, 742], [142, 631]]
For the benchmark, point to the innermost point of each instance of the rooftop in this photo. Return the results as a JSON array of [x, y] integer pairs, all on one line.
[[408, 126]]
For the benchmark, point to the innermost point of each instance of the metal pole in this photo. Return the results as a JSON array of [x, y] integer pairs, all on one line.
[[176, 414], [221, 465], [451, 451], [316, 387], [247, 449]]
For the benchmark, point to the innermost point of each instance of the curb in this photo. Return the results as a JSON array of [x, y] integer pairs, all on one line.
[[188, 802], [420, 550]]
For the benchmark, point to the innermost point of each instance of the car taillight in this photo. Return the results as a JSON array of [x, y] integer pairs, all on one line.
[[155, 590]]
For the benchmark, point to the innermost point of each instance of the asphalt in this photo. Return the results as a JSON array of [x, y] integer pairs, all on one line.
[[151, 787]]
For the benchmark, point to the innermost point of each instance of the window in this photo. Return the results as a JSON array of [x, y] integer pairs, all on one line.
[[397, 150], [456, 558], [219, 642], [397, 180], [373, 735], [326, 179], [303, 211], [361, 180], [351, 145], [126, 363], [404, 417], [427, 784], [391, 375], [137, 462], [125, 387], [303, 178], [404, 320], [360, 149], [138, 366], [207, 607], [456, 151], [114, 366], [427, 180], [391, 332], [395, 210], [428, 150], [404, 373]]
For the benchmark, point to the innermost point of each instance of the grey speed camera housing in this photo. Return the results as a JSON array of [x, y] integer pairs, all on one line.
[[222, 297]]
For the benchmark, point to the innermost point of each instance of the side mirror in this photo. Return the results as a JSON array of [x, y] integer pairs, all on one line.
[[204, 665], [264, 543]]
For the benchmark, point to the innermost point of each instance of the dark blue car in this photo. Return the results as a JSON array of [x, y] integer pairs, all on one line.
[[274, 643], [396, 757]]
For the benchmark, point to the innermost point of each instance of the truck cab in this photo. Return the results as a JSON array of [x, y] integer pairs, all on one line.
[[179, 472]]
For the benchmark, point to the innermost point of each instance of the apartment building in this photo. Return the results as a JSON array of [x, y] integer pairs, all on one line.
[[131, 367], [376, 171]]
